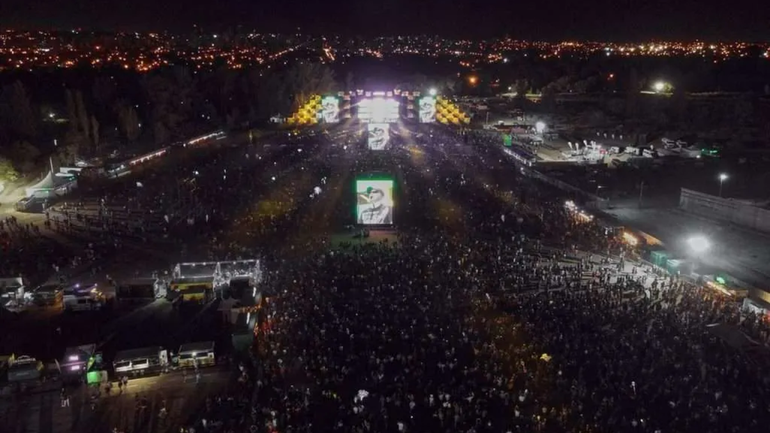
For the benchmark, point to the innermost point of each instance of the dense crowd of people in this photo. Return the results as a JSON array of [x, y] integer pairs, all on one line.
[[496, 308], [492, 307], [409, 338], [521, 316], [24, 252]]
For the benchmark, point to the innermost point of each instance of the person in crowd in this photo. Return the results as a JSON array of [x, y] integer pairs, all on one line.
[[493, 307]]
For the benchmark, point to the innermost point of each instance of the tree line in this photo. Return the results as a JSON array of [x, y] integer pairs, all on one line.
[[102, 112], [114, 113]]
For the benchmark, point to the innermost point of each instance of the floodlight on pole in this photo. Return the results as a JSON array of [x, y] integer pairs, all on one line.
[[722, 178], [699, 244]]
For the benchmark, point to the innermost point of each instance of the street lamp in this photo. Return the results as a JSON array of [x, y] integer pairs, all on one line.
[[432, 91], [722, 178], [539, 127], [699, 244], [659, 86]]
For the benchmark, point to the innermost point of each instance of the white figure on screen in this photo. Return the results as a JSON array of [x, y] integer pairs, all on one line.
[[330, 110], [377, 212], [378, 138], [427, 110]]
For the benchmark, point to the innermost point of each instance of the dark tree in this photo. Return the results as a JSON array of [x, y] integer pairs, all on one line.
[[17, 112]]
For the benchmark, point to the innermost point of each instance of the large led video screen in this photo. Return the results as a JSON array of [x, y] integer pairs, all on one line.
[[378, 110], [374, 201], [330, 109], [378, 136], [427, 107]]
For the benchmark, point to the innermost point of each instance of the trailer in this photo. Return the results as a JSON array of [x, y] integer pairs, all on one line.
[[194, 355], [24, 369], [83, 298], [141, 361]]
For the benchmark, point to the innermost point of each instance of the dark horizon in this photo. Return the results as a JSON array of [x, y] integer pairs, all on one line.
[[601, 20]]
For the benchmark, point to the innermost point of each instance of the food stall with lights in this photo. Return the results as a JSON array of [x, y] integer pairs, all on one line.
[[194, 282], [197, 282], [77, 361], [193, 289], [239, 272], [629, 238], [611, 227], [729, 291], [726, 285]]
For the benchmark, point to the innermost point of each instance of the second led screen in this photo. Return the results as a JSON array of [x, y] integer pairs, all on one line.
[[378, 135]]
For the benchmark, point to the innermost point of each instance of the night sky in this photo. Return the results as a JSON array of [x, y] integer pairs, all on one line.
[[618, 20]]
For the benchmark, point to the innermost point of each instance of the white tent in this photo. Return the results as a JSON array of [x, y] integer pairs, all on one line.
[[52, 185], [44, 188]]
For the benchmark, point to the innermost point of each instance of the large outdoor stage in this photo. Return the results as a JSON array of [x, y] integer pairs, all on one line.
[[378, 107]]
